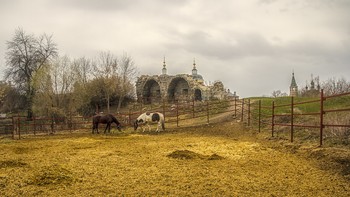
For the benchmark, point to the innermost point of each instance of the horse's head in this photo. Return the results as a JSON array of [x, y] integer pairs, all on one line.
[[136, 124], [119, 127]]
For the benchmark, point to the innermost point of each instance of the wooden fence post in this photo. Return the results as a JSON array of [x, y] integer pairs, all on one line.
[[164, 108], [34, 123], [242, 110], [208, 112], [321, 117], [13, 127], [259, 115], [19, 126], [141, 105], [193, 108], [235, 107], [273, 117], [292, 119], [129, 117], [177, 113], [248, 112]]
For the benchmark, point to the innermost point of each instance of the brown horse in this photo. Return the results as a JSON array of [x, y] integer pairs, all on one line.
[[106, 119]]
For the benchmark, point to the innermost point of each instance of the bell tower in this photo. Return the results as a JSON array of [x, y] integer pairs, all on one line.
[[164, 71], [293, 88]]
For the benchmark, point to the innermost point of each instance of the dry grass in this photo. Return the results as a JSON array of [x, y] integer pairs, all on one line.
[[212, 160]]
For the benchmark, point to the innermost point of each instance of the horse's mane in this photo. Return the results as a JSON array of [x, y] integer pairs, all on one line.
[[115, 120]]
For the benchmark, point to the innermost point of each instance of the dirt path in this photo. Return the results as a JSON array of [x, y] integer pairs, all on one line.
[[87, 165]]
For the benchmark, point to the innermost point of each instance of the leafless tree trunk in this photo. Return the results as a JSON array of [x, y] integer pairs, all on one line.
[[336, 86], [106, 68], [25, 56], [127, 73]]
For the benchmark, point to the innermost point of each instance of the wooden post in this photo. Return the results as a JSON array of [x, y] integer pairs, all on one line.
[[321, 117], [259, 115], [71, 121], [193, 108], [129, 118], [235, 107], [242, 110], [141, 105], [177, 113], [248, 112], [13, 127], [292, 119], [208, 112], [34, 125], [19, 127], [273, 117], [164, 108]]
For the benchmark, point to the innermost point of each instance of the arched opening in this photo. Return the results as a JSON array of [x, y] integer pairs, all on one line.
[[151, 92], [197, 95], [178, 89]]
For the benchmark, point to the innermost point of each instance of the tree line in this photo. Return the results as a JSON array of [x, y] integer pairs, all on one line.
[[330, 86], [40, 82]]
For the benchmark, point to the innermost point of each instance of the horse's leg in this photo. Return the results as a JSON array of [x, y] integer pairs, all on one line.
[[106, 128], [149, 127], [158, 126], [96, 128]]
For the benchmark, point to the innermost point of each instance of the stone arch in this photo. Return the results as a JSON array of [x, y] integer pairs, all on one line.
[[178, 89], [198, 95], [151, 91]]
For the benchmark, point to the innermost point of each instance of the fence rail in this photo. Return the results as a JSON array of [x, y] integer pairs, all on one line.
[[189, 112], [181, 113], [288, 112]]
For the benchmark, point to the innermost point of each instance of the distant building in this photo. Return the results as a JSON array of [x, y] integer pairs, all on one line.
[[157, 88], [312, 90], [309, 91], [293, 88]]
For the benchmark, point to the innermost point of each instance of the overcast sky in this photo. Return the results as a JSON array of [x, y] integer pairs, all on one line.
[[252, 46]]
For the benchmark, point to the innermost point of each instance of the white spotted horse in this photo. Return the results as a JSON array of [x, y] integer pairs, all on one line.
[[149, 117]]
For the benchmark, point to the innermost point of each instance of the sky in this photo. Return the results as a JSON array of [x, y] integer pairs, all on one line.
[[252, 46]]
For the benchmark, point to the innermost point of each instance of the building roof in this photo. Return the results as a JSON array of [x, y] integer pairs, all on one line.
[[294, 83]]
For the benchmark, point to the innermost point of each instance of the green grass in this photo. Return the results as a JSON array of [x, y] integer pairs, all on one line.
[[330, 103]]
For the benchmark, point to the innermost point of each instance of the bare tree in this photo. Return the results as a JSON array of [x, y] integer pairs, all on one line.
[[82, 73], [27, 54], [63, 79], [127, 73], [106, 68], [81, 69], [336, 86]]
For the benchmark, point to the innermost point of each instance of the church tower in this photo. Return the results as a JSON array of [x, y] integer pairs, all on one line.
[[164, 71], [293, 87], [194, 70]]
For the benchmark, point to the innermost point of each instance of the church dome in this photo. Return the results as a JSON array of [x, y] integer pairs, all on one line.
[[197, 76]]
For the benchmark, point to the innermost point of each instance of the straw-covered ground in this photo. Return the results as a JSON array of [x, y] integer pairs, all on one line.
[[217, 160]]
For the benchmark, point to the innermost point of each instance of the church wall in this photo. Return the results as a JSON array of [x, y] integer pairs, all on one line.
[[176, 87]]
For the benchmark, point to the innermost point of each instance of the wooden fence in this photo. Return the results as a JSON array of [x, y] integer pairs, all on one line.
[[180, 113], [285, 115], [185, 113]]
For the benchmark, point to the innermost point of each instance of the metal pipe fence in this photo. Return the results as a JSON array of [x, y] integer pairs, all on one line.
[[286, 116], [179, 113], [190, 112]]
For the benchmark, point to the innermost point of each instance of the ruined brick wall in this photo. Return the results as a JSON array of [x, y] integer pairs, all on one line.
[[176, 87]]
